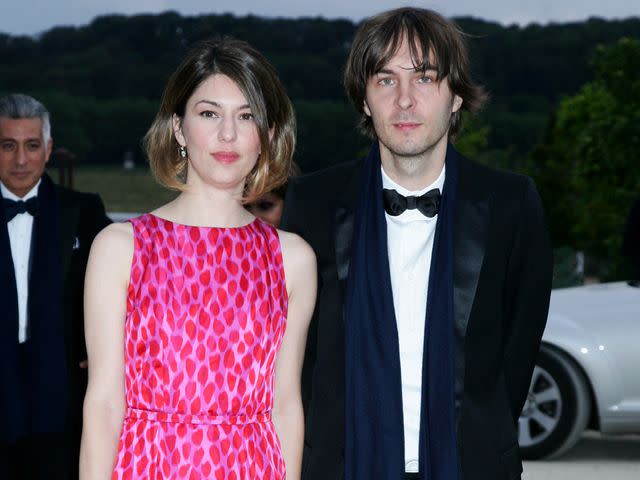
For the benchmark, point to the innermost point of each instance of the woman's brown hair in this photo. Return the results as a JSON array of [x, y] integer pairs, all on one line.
[[429, 35], [270, 106]]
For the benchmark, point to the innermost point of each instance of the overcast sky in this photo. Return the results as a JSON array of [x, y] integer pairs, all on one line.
[[34, 16]]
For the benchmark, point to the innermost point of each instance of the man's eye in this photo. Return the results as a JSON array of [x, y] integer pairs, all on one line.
[[8, 147], [426, 79], [385, 81], [33, 146]]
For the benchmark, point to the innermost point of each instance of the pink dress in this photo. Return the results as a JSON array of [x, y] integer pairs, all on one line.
[[206, 312]]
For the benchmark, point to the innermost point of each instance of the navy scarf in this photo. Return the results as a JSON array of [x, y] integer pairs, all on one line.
[[374, 437], [33, 398]]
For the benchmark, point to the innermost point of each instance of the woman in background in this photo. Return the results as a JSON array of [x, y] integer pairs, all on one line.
[[270, 205], [192, 373]]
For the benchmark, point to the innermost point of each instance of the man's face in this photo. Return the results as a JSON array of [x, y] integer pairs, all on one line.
[[23, 153], [410, 109]]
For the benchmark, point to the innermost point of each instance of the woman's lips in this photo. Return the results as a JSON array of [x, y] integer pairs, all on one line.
[[226, 157]]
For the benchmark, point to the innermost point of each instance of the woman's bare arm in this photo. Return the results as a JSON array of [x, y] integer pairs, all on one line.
[[106, 283], [288, 416]]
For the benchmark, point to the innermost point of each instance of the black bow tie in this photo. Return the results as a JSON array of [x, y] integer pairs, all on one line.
[[13, 208], [427, 204]]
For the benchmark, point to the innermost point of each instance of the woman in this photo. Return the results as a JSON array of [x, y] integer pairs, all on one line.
[[191, 371]]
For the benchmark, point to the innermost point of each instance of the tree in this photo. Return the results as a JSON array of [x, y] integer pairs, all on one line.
[[588, 169]]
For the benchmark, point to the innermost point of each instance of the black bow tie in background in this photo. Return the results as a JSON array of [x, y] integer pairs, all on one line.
[[427, 204], [13, 208]]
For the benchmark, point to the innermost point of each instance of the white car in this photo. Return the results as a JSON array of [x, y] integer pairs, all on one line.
[[588, 371]]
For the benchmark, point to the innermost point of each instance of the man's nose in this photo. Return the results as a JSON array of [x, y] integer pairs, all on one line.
[[405, 97], [21, 157]]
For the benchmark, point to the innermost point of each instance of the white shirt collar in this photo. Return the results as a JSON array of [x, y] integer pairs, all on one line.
[[388, 183], [6, 193]]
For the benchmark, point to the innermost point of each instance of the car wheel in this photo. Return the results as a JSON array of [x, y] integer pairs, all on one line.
[[557, 408]]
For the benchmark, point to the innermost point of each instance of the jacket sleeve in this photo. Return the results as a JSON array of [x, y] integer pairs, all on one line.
[[631, 242], [293, 220], [290, 220], [93, 218], [96, 216], [528, 290]]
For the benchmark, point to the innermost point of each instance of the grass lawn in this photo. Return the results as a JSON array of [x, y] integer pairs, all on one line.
[[121, 190]]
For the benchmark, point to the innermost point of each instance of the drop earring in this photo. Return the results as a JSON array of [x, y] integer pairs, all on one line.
[[183, 151]]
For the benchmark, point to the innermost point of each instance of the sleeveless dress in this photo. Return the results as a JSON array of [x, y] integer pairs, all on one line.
[[206, 312]]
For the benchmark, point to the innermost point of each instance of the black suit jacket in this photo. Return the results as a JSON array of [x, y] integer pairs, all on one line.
[[502, 282], [81, 217]]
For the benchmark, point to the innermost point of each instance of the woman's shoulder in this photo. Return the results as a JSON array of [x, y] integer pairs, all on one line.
[[298, 257], [295, 246], [114, 238]]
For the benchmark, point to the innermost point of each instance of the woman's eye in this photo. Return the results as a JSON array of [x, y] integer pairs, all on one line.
[[246, 116], [264, 206], [208, 114]]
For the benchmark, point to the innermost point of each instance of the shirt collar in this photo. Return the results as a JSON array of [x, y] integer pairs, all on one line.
[[388, 183], [8, 194]]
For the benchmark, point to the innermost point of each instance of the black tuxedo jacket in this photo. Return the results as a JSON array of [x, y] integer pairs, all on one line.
[[502, 282], [81, 217]]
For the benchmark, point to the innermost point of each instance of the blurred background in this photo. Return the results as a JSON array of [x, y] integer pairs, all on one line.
[[564, 79]]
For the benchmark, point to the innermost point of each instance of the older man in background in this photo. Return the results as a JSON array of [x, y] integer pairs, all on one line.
[[45, 234]]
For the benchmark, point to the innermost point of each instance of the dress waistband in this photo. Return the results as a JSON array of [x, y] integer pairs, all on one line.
[[199, 419]]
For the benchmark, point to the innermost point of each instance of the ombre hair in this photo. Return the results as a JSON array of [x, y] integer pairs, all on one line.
[[429, 36], [270, 106]]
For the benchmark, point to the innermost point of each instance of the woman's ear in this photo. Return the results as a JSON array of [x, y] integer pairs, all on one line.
[[177, 130]]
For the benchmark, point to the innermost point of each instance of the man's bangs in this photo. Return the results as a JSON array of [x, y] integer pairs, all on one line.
[[422, 42]]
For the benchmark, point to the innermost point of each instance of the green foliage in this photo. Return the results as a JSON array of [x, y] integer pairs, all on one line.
[[474, 137], [327, 134], [104, 80], [102, 83], [98, 131], [121, 190], [588, 169]]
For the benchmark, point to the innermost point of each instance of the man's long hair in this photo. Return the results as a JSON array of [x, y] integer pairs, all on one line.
[[434, 42]]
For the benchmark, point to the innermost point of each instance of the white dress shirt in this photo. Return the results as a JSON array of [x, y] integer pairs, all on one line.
[[410, 238], [20, 228]]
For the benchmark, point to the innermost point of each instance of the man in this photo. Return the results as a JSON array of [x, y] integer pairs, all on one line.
[[45, 235], [430, 308]]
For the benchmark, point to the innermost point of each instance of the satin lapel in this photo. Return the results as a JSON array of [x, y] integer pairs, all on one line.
[[471, 228], [9, 295], [343, 229], [68, 229], [343, 236]]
